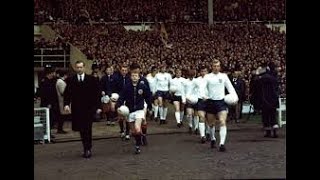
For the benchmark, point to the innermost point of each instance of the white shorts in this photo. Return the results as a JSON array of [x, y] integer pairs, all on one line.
[[139, 114]]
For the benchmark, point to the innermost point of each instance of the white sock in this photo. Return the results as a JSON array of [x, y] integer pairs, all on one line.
[[223, 134], [152, 107], [181, 115], [196, 122], [207, 129], [189, 118], [201, 129], [177, 115], [156, 108], [165, 112], [161, 112], [212, 132]]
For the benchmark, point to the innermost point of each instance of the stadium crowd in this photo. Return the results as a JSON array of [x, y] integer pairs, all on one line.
[[57, 43], [239, 46], [152, 10]]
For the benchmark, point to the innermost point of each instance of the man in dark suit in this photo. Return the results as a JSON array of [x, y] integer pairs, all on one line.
[[268, 89], [82, 92], [254, 94], [240, 87], [121, 79], [107, 87], [48, 95]]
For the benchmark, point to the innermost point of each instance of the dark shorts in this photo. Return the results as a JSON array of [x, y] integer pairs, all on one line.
[[202, 105], [215, 106], [163, 94], [193, 106], [176, 98]]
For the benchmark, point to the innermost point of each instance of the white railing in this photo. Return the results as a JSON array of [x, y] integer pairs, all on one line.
[[60, 62], [42, 120], [282, 111], [248, 109]]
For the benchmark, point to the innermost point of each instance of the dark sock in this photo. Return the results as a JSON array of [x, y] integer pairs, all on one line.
[[127, 128], [144, 129], [138, 139], [121, 126]]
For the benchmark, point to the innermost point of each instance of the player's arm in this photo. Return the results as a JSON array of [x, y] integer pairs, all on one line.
[[122, 97], [147, 96], [229, 86]]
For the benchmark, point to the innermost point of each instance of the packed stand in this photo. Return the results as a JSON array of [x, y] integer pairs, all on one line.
[[249, 10], [239, 46], [152, 10], [57, 43]]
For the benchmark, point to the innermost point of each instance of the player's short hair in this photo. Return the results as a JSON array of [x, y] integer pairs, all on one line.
[[202, 67], [123, 65], [153, 68], [135, 66], [191, 73], [79, 61], [215, 61]]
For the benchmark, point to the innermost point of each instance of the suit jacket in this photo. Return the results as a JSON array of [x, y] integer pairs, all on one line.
[[267, 87], [108, 85], [120, 82], [48, 93], [84, 100], [254, 93], [240, 87]]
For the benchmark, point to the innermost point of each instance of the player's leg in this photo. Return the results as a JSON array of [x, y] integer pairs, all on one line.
[[104, 113], [139, 116], [222, 117], [166, 101], [120, 118], [202, 119], [211, 121], [144, 131], [201, 107], [190, 118], [176, 105], [182, 108], [160, 101], [156, 109], [195, 120]]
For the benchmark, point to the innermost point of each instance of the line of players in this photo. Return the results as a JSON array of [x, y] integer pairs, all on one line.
[[201, 98]]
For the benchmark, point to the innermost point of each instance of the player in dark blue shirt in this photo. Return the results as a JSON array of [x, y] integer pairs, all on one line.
[[135, 95]]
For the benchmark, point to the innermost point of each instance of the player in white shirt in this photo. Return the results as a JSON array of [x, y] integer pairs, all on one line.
[[162, 92], [152, 83], [216, 107], [202, 92], [191, 94], [179, 99]]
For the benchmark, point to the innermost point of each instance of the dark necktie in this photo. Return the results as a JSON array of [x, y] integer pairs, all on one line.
[[80, 79]]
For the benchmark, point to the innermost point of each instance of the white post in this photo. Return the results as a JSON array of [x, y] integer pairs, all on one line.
[[210, 12], [282, 107], [48, 124]]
